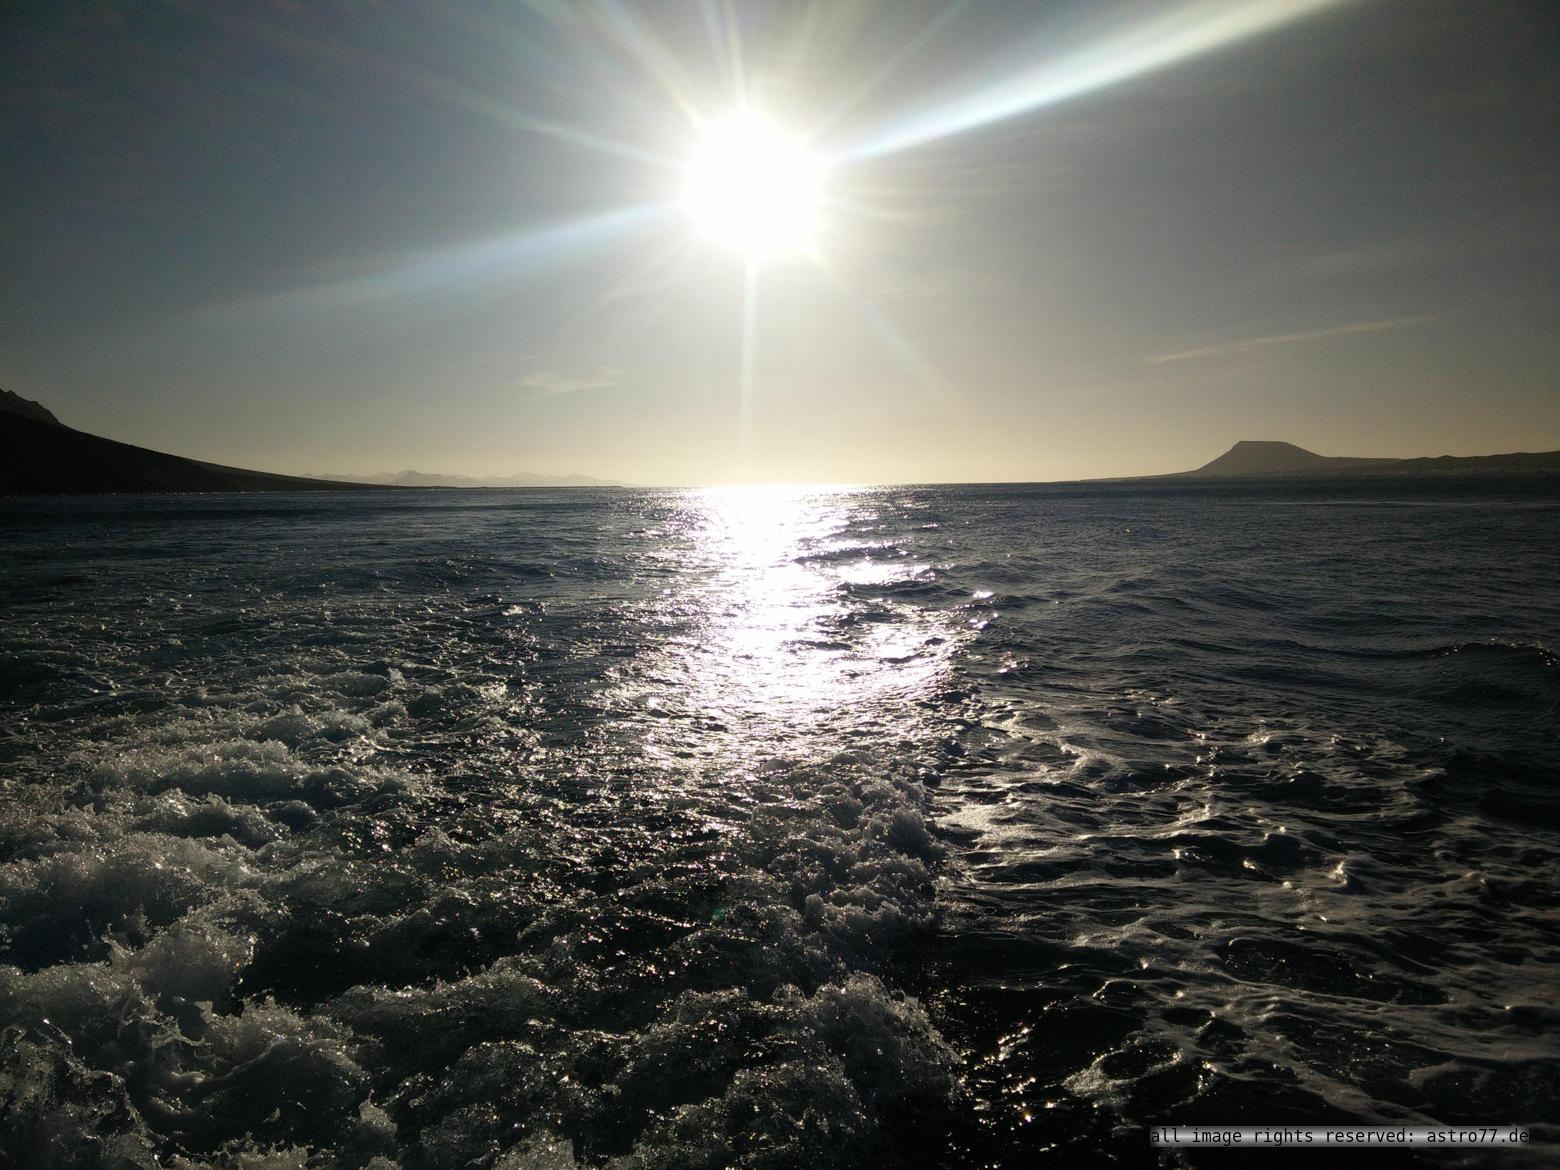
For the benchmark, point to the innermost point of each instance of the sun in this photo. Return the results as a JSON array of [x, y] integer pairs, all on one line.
[[753, 187]]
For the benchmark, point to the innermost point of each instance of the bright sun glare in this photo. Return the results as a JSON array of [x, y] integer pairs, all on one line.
[[753, 187]]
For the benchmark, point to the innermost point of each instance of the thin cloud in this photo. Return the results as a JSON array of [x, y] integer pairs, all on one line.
[[1371, 259], [550, 383], [1233, 347]]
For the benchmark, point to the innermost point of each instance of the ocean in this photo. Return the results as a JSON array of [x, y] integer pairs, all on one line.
[[974, 826]]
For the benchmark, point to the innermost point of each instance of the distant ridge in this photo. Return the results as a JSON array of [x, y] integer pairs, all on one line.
[[434, 479], [1254, 458]]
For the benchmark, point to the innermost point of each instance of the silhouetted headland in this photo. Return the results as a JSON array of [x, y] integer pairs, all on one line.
[[26, 408], [39, 455]]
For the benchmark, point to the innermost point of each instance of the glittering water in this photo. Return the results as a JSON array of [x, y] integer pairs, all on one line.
[[772, 828]]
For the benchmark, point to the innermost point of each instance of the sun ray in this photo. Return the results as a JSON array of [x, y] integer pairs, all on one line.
[[893, 340], [590, 141], [725, 32], [1188, 30], [749, 359], [430, 271], [650, 53], [662, 269], [443, 86], [869, 85]]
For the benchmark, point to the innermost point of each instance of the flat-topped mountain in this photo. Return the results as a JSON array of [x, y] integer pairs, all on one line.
[[1265, 457], [1252, 458]]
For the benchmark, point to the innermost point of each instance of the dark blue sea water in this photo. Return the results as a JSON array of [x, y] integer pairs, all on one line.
[[955, 826]]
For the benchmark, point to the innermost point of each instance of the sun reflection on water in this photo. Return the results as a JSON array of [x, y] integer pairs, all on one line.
[[789, 642]]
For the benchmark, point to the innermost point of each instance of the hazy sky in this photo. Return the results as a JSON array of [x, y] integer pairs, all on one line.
[[1058, 240]]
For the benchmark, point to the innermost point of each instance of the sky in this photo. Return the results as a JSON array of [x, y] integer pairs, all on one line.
[[1052, 240]]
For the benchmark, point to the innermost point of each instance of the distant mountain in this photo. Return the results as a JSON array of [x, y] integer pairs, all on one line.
[[1259, 457], [40, 456], [25, 407], [434, 479], [1256, 459]]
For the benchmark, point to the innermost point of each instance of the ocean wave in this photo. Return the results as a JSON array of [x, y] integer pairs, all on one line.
[[906, 827]]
